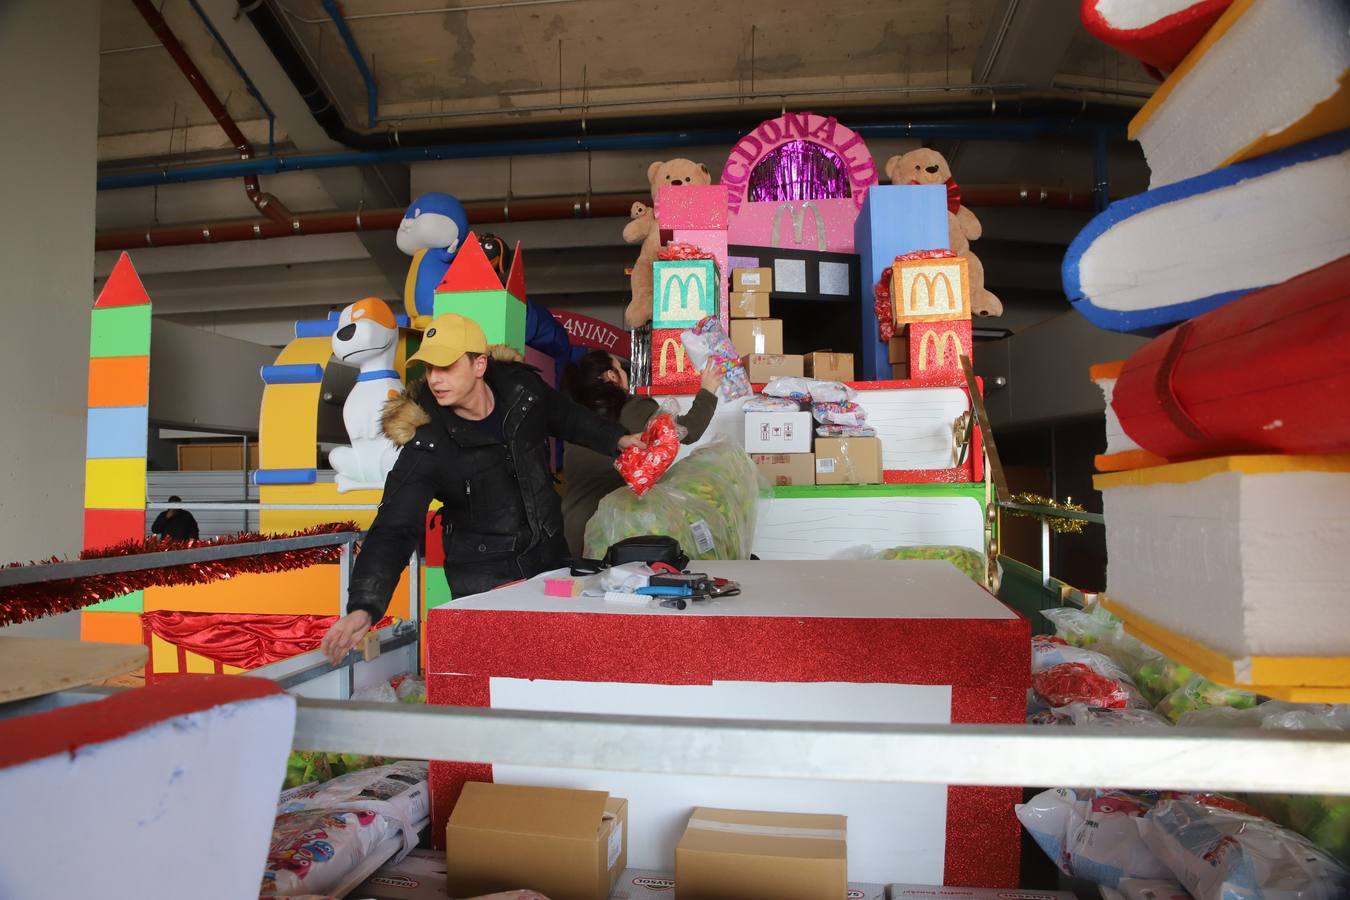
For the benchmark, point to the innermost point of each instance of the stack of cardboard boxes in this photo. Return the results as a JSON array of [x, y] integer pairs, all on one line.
[[573, 845], [758, 338]]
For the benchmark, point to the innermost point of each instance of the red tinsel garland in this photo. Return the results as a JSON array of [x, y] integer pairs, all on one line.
[[21, 602], [942, 253], [682, 251], [885, 317]]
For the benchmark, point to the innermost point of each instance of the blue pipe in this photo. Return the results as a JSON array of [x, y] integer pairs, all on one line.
[[248, 82], [372, 93], [1024, 130]]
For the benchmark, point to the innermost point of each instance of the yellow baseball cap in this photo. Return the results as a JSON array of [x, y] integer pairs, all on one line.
[[447, 338]]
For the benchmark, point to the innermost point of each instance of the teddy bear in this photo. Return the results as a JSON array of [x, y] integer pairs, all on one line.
[[924, 166], [642, 228]]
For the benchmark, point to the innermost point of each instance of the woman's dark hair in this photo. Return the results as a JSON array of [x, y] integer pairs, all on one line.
[[584, 380]]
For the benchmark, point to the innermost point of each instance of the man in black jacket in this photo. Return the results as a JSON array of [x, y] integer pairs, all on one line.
[[474, 436]]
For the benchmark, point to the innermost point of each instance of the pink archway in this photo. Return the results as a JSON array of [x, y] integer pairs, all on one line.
[[841, 143]]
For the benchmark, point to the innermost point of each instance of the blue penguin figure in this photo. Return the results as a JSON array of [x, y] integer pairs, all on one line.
[[431, 232]]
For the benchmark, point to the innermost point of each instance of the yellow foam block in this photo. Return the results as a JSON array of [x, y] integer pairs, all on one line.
[[1185, 472], [280, 521], [288, 426], [309, 591], [114, 483], [1297, 679]]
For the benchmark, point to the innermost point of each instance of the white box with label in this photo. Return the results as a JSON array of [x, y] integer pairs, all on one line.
[[778, 432]]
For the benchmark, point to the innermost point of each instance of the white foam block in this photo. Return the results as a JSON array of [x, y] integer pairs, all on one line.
[[1128, 15], [1246, 564], [181, 808], [1117, 441], [1276, 62], [832, 527]]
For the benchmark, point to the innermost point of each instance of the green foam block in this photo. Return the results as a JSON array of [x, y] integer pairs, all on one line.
[[119, 331], [133, 602], [437, 588]]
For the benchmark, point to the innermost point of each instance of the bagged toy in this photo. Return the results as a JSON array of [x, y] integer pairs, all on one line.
[[1218, 852], [398, 791], [1052, 651], [706, 342], [1200, 693], [1092, 834], [1077, 682], [1159, 676], [313, 850], [707, 502], [309, 767], [846, 413], [770, 404], [410, 689], [845, 431], [805, 390], [642, 468]]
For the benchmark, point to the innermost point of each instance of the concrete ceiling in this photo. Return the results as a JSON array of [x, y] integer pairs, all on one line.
[[559, 61]]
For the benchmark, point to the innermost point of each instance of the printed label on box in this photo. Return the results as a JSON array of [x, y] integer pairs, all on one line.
[[750, 278], [825, 466]]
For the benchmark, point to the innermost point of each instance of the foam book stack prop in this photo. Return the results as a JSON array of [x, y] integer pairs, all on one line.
[[1158, 33], [1268, 75], [1169, 254]]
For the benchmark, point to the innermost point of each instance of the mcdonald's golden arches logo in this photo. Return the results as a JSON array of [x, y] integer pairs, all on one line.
[[686, 293], [661, 360], [930, 290], [937, 343]]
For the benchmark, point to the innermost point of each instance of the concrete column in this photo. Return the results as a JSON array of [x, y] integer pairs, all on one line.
[[48, 147]]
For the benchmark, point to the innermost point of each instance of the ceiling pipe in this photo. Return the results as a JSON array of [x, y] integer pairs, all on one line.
[[265, 203], [372, 92], [548, 209], [277, 37], [1023, 130]]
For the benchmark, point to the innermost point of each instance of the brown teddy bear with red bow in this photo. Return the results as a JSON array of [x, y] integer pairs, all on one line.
[[926, 166], [642, 229]]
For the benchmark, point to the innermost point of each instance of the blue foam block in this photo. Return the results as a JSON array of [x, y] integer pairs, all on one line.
[[117, 432], [285, 476], [895, 219], [297, 373]]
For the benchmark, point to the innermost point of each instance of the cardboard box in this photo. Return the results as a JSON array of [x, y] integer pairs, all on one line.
[[761, 856], [757, 336], [787, 469], [933, 892], [671, 366], [696, 206], [935, 349], [930, 290], [648, 884], [848, 460], [418, 876], [778, 432], [760, 280], [764, 368], [748, 304], [900, 371], [830, 366], [897, 348], [568, 845]]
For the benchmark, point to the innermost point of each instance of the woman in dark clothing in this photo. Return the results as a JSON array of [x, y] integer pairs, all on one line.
[[599, 382]]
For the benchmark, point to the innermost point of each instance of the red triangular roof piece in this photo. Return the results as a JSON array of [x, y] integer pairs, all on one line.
[[123, 287], [470, 270], [515, 281]]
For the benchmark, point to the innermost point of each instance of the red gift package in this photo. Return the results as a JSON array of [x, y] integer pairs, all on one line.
[[643, 468]]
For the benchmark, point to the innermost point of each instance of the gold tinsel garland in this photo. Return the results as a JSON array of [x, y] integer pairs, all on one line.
[[1060, 525]]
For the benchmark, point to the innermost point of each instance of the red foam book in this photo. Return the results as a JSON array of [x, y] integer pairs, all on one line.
[[1269, 372]]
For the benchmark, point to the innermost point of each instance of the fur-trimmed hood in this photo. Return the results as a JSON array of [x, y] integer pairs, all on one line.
[[403, 415]]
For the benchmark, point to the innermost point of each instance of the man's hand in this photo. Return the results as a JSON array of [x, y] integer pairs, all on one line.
[[632, 440], [345, 634]]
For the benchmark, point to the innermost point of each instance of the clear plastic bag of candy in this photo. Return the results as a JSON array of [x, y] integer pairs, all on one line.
[[845, 431], [707, 342], [969, 562], [1200, 693], [707, 501], [1093, 834], [846, 413]]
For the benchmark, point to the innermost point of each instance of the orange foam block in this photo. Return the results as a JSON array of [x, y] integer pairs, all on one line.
[[119, 381], [111, 627]]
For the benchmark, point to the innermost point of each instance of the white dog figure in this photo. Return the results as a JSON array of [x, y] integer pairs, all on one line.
[[367, 336]]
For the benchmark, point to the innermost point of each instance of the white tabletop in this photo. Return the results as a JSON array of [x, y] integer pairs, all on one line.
[[863, 589]]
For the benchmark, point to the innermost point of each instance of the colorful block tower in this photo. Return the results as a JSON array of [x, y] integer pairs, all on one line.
[[118, 425], [472, 288], [894, 220]]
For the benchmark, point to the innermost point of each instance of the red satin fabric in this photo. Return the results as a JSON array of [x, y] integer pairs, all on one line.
[[246, 640]]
